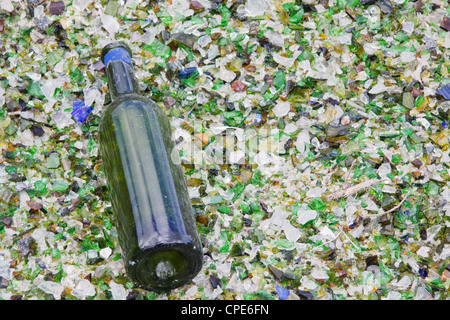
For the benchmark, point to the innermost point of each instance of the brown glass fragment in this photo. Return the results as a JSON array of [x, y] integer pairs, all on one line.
[[56, 7], [445, 24]]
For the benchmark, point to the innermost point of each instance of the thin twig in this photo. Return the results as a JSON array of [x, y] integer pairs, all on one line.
[[347, 178], [344, 193], [389, 211], [386, 156], [348, 238], [329, 241], [212, 92], [26, 231], [19, 114]]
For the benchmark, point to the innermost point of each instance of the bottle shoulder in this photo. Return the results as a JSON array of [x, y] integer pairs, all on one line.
[[131, 100], [138, 104]]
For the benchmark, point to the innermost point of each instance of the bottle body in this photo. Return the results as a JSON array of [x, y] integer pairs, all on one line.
[[149, 198]]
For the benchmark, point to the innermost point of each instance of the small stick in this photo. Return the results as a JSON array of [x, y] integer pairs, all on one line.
[[329, 241], [389, 211], [386, 156], [352, 190], [19, 114], [212, 92], [348, 238], [26, 231], [347, 178]]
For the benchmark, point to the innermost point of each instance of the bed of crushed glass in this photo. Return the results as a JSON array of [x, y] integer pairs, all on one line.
[[313, 135]]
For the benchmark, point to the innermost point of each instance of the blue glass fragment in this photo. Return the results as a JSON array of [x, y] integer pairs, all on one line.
[[80, 111], [282, 292], [77, 104], [423, 273], [444, 91], [257, 120], [185, 73]]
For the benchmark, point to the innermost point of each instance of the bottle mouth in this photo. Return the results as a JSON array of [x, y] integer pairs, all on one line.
[[166, 268], [116, 51]]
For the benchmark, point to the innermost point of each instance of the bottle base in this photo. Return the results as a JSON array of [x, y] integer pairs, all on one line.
[[165, 267]]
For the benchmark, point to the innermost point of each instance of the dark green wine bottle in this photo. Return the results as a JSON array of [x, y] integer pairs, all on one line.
[[149, 198]]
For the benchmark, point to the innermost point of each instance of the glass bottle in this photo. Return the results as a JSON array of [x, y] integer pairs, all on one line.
[[149, 198]]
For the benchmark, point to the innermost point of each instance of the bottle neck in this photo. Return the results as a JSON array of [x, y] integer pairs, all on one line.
[[121, 79]]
